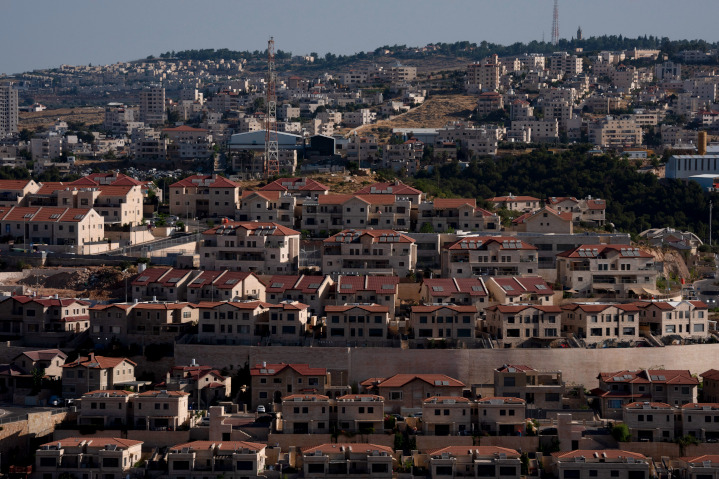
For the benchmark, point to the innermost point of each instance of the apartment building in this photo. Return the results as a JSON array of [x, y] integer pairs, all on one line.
[[503, 416], [272, 382], [306, 414], [710, 386], [106, 408], [649, 421], [360, 413], [8, 110], [224, 285], [15, 192], [396, 188], [614, 132], [481, 141], [565, 64], [603, 464], [546, 130], [204, 384], [544, 220], [267, 207], [597, 322], [202, 196], [523, 324], [588, 210], [477, 461], [369, 252], [360, 460], [161, 410], [54, 318], [489, 102], [673, 387], [250, 246], [457, 291], [119, 119], [50, 361], [444, 214], [489, 255], [162, 284], [687, 319], [617, 270], [701, 420], [146, 143], [311, 290], [229, 459], [109, 457], [330, 213], [152, 106], [539, 388], [289, 321], [405, 393], [403, 158], [696, 467], [525, 204], [526, 290], [382, 290], [300, 188], [444, 321], [232, 322], [92, 373], [484, 76], [189, 143], [361, 323], [447, 416]]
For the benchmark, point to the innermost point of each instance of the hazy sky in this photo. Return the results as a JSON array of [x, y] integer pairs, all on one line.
[[47, 33]]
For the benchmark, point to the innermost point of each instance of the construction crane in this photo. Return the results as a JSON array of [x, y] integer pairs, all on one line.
[[272, 160]]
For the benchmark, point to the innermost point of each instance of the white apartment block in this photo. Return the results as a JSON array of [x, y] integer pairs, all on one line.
[[563, 63], [369, 252], [492, 256], [8, 110], [613, 132]]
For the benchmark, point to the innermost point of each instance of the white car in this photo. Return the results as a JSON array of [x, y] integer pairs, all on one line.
[[261, 409]]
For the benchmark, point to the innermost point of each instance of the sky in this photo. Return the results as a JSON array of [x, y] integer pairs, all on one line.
[[37, 34]]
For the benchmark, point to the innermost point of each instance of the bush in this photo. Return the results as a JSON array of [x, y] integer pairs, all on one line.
[[620, 432]]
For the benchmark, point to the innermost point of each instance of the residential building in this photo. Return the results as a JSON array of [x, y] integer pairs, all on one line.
[[477, 461], [360, 413], [565, 64], [119, 119], [405, 393], [444, 322], [204, 384], [372, 252], [360, 323], [52, 318], [188, 143], [614, 132], [673, 387], [525, 204], [230, 459], [701, 420], [489, 256], [546, 130], [311, 290], [92, 373], [457, 291], [300, 188], [544, 220], [330, 213], [49, 361], [539, 388], [588, 210], [106, 409], [525, 290], [710, 386], [232, 322], [93, 455], [272, 382], [250, 246], [445, 214], [289, 322], [523, 325], [161, 284], [502, 416], [224, 285], [696, 467], [8, 110], [481, 141], [360, 460], [396, 188], [447, 416], [363, 116], [484, 76], [403, 158], [306, 414], [687, 319], [649, 421], [15, 192], [148, 144], [152, 106], [161, 410], [489, 102], [382, 290], [616, 270], [598, 322], [603, 464], [203, 196], [267, 207]]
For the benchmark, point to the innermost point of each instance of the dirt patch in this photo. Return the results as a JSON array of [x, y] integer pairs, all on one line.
[[44, 119], [98, 283]]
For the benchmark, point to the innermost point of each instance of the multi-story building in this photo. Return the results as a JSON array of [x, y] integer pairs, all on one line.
[[272, 382], [162, 284], [675, 318], [187, 142], [444, 214], [251, 246], [673, 387], [267, 207], [525, 204], [597, 322], [148, 144], [106, 408], [360, 413], [49, 361], [382, 290], [300, 188], [288, 322], [480, 461], [50, 317], [204, 384], [152, 106], [396, 188], [489, 102], [204, 195], [447, 416], [225, 285], [540, 389], [546, 130], [710, 386], [484, 76], [503, 416], [360, 460], [612, 132], [458, 291], [370, 252], [523, 324], [565, 64], [701, 420], [532, 290], [306, 414], [232, 322], [363, 323], [697, 467], [8, 110], [481, 140], [588, 210], [600, 269], [94, 373], [15, 192], [331, 213], [444, 321], [603, 464], [489, 256], [229, 459], [161, 410], [404, 158], [311, 290], [545, 220], [407, 392], [119, 119], [649, 421], [93, 456]]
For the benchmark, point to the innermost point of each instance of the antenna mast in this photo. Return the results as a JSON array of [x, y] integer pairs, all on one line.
[[272, 161], [555, 24]]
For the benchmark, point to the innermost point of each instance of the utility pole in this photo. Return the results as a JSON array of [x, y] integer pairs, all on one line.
[[272, 160]]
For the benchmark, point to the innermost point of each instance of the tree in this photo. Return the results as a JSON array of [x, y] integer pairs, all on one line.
[[620, 432]]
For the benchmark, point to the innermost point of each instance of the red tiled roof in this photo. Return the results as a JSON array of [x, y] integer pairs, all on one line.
[[641, 404], [510, 199], [49, 187], [205, 278], [445, 203], [218, 182], [94, 442], [479, 451], [712, 375], [370, 308], [644, 376], [515, 286], [339, 448], [554, 200], [308, 397], [174, 276], [231, 279], [436, 307], [13, 184], [294, 184], [374, 234], [221, 445], [505, 400], [701, 405], [399, 380], [150, 275], [443, 287], [516, 308], [480, 242], [601, 453], [302, 369], [114, 190], [185, 128], [97, 362], [603, 249], [252, 226], [700, 460], [378, 284], [396, 188], [49, 214], [518, 368]]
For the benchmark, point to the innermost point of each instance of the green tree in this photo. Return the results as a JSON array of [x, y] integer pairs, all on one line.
[[620, 432]]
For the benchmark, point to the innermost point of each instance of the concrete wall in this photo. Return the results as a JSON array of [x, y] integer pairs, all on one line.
[[472, 366], [19, 437], [304, 441], [431, 443]]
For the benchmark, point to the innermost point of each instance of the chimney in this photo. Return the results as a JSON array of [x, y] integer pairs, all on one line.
[[702, 143]]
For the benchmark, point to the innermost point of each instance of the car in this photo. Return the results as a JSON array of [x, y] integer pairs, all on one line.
[[261, 409]]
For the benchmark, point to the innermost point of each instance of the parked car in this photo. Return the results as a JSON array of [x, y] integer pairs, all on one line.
[[261, 409]]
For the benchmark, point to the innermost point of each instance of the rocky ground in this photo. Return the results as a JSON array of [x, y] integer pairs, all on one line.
[[99, 283]]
